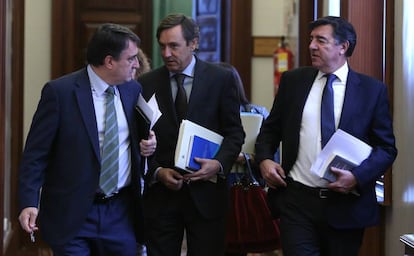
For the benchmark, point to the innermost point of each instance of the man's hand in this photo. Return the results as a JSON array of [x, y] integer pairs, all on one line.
[[345, 182], [27, 219], [170, 178], [209, 168], [272, 173], [148, 147]]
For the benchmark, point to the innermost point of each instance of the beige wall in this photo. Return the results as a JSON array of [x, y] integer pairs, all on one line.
[[37, 54], [267, 21], [270, 18]]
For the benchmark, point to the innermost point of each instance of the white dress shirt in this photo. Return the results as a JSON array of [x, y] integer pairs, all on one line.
[[310, 131], [98, 87]]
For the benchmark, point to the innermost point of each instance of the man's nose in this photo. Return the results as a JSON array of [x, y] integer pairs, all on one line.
[[312, 44], [167, 52]]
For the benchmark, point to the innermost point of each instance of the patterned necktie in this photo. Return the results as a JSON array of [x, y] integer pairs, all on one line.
[[181, 98], [327, 110], [108, 180]]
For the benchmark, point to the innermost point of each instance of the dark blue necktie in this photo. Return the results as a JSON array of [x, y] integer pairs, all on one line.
[[181, 97], [327, 110]]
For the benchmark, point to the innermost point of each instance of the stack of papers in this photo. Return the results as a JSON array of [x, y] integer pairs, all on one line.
[[195, 141], [343, 144]]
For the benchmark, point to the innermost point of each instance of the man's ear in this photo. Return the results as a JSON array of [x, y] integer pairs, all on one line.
[[108, 61], [194, 44], [344, 47]]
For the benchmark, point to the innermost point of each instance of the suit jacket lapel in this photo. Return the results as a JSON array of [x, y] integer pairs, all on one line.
[[127, 99], [309, 78], [301, 93], [199, 82], [165, 98], [87, 110], [351, 100]]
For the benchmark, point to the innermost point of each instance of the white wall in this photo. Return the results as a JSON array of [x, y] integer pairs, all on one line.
[[400, 217], [37, 54]]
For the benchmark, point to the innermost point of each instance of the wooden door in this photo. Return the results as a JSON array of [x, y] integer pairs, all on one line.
[[73, 22]]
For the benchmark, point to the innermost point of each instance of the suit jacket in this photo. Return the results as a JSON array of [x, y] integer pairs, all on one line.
[[62, 157], [214, 104], [365, 115]]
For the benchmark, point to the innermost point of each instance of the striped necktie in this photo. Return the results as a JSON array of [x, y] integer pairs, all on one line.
[[108, 180]]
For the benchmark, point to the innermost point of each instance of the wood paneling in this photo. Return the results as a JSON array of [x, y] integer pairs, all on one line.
[[237, 40], [264, 46], [307, 13], [12, 115], [3, 113], [110, 5], [17, 70], [373, 56], [73, 22], [367, 17]]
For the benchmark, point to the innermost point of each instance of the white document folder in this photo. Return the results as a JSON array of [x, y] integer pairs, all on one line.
[[187, 131], [251, 123]]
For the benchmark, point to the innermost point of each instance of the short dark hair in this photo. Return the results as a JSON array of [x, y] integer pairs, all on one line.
[[109, 39], [342, 31], [190, 28]]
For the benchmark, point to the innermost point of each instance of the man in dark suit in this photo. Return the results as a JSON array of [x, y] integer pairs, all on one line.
[[61, 163], [175, 200], [317, 217]]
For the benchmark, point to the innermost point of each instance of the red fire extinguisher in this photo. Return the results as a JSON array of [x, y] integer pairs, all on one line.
[[282, 61]]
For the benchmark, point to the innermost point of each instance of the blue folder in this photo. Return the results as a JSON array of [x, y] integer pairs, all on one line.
[[202, 148]]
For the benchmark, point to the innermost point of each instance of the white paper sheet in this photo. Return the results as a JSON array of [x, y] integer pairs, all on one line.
[[150, 109], [343, 144]]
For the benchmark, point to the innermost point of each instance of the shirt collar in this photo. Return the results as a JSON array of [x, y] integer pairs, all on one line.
[[97, 84], [189, 70], [341, 73]]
